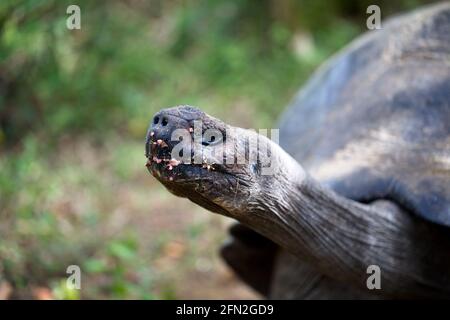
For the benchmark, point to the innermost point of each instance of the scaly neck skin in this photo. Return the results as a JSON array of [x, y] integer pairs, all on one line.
[[342, 238], [314, 224]]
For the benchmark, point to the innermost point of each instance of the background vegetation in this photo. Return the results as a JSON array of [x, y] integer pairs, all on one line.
[[74, 107]]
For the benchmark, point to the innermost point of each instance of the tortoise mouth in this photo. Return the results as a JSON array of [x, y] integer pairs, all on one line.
[[164, 166]]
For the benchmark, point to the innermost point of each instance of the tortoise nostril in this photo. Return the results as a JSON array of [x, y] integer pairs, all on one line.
[[164, 121], [156, 120]]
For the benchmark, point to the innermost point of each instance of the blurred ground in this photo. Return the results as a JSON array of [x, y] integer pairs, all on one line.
[[131, 237]]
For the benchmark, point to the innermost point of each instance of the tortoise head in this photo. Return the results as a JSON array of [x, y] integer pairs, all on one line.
[[199, 157]]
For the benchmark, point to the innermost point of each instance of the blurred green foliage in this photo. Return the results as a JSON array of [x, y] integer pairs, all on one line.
[[129, 60], [240, 60]]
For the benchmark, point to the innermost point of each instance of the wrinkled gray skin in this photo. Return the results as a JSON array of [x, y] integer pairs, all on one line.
[[365, 179]]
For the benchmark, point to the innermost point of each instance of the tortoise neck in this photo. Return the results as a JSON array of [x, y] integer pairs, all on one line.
[[332, 233], [312, 221]]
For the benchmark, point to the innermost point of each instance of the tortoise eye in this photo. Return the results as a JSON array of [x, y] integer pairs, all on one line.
[[211, 140]]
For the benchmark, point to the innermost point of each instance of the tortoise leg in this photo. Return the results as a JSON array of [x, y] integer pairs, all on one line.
[[251, 256], [295, 279]]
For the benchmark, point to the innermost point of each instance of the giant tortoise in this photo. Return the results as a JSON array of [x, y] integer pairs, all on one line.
[[359, 180]]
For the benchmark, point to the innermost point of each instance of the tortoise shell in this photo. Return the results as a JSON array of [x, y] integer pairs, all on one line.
[[374, 122]]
